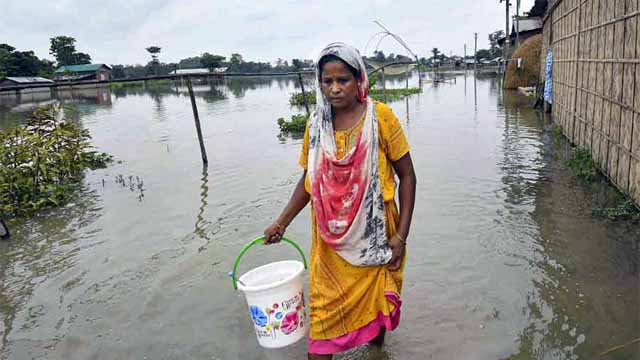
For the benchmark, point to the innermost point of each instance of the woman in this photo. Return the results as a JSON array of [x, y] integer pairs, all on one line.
[[352, 147]]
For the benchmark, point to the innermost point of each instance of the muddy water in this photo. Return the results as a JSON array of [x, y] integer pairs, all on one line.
[[505, 259]]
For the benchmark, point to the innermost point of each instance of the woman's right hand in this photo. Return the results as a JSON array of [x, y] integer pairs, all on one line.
[[273, 234]]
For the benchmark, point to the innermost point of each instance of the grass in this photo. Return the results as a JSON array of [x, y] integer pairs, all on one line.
[[582, 165], [623, 210]]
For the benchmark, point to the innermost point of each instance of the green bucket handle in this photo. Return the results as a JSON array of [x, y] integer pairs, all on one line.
[[257, 240]]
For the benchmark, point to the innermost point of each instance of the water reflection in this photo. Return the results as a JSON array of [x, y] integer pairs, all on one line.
[[201, 227], [41, 249], [507, 264]]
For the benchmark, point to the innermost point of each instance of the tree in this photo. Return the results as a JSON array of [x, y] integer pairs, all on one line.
[[62, 48], [493, 40], [235, 62], [81, 58], [379, 56], [190, 63], [211, 61], [22, 63], [435, 53], [154, 51], [483, 54], [297, 64]]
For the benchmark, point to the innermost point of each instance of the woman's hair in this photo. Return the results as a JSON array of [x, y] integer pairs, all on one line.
[[332, 58]]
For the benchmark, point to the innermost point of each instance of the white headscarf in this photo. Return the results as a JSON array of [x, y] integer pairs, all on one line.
[[346, 192]]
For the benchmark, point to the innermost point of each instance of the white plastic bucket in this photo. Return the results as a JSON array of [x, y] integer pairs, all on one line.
[[275, 298], [276, 302]]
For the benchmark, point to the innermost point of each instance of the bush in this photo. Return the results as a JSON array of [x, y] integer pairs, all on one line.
[[297, 124], [42, 163]]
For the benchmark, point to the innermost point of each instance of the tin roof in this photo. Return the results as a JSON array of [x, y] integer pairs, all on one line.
[[190, 71], [81, 68], [530, 24], [28, 79]]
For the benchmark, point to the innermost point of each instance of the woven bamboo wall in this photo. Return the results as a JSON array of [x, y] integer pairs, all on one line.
[[596, 82]]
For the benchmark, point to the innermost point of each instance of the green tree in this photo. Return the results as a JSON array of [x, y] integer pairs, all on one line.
[[22, 63], [81, 58], [483, 54], [154, 51], [379, 56], [235, 62], [297, 64], [211, 61], [493, 40], [435, 53], [63, 48]]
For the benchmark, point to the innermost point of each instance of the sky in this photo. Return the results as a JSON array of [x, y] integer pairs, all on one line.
[[118, 31]]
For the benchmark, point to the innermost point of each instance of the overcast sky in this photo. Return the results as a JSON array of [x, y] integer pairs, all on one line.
[[117, 31]]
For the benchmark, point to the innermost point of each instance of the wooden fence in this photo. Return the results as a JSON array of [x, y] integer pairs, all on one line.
[[596, 82]]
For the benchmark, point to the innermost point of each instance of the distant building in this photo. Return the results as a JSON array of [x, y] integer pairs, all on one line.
[[83, 72], [24, 81], [198, 71], [528, 27], [190, 71]]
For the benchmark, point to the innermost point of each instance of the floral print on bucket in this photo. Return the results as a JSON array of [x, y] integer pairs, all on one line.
[[285, 317]]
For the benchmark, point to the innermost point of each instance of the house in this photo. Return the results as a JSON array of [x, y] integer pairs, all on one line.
[[24, 81], [528, 27], [190, 71], [83, 72]]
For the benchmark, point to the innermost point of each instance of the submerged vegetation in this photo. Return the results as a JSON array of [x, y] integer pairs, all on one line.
[[42, 163], [297, 99], [582, 165], [297, 124], [624, 210]]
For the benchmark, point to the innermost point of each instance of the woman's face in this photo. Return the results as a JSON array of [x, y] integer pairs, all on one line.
[[339, 85]]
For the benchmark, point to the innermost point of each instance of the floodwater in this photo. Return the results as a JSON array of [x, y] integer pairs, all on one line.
[[505, 260]]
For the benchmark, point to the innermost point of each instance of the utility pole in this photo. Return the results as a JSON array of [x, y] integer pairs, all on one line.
[[507, 40], [464, 59], [475, 54], [517, 23]]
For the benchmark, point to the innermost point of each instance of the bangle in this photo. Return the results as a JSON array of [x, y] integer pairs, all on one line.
[[404, 242]]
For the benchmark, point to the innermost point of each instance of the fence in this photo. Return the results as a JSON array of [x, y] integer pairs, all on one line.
[[596, 82]]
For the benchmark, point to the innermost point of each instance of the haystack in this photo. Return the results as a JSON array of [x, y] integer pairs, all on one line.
[[529, 71]]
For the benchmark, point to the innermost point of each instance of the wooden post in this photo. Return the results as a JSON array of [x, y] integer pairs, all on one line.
[[384, 86], [196, 118], [407, 77], [507, 39], [475, 54], [518, 23], [304, 94], [464, 59]]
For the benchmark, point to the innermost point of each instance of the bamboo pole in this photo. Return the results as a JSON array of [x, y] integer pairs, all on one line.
[[196, 118]]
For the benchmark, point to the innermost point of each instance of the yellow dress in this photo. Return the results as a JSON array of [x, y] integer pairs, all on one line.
[[344, 298]]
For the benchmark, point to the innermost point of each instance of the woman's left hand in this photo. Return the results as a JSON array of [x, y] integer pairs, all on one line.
[[397, 252]]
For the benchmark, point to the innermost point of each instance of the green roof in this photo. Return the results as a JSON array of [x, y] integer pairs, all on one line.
[[81, 68]]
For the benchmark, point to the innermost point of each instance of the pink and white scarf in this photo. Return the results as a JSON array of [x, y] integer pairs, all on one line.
[[346, 193]]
